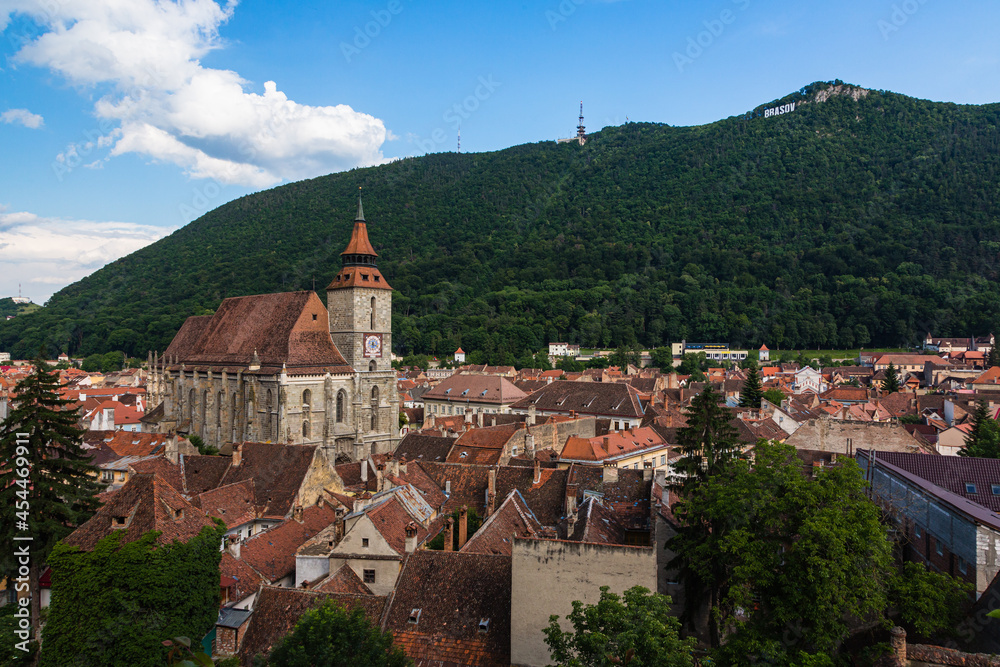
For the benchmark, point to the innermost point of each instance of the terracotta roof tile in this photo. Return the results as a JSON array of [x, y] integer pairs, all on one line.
[[272, 553], [145, 503], [245, 580], [463, 387], [455, 593], [277, 610], [233, 503], [419, 447], [277, 471], [345, 580], [605, 399], [495, 536], [290, 328]]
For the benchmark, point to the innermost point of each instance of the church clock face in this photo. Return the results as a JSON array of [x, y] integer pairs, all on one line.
[[373, 345]]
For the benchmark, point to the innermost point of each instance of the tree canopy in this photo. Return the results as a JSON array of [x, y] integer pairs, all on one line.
[[330, 636], [983, 439], [634, 629], [850, 222]]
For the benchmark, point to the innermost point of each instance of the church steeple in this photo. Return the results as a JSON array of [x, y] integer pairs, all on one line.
[[359, 258]]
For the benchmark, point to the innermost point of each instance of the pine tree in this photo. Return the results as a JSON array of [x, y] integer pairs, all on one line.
[[708, 442], [891, 383], [984, 438], [47, 484], [993, 357], [752, 391]]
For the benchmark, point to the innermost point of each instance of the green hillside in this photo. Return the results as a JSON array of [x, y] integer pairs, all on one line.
[[861, 218]]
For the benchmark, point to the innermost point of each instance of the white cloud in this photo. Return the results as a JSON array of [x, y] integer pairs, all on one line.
[[22, 116], [44, 255], [169, 107]]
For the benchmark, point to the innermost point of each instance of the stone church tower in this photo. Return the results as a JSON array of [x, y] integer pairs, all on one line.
[[284, 368]]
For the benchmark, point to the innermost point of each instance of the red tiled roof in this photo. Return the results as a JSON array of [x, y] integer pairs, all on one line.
[[145, 503], [233, 503], [272, 553], [495, 536], [390, 519], [952, 473], [613, 444], [277, 471], [290, 328], [277, 610], [606, 399], [244, 580], [345, 580], [454, 592], [463, 388]]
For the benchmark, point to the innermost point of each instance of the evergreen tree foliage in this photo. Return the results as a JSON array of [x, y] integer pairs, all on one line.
[[848, 223], [634, 629], [113, 606], [984, 438], [752, 391], [993, 357], [891, 383], [708, 442], [56, 493], [330, 636]]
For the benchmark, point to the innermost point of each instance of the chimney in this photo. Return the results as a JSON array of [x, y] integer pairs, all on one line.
[[538, 472], [297, 513], [529, 444], [234, 545], [411, 537], [610, 475], [428, 418], [672, 380], [607, 444], [531, 415], [237, 454], [364, 471], [338, 531], [393, 466], [897, 639], [647, 471], [571, 500], [449, 534], [491, 491], [380, 475], [463, 526], [402, 465], [447, 487], [468, 417]]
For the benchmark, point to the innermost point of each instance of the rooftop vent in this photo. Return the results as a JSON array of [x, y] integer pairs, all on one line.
[[484, 624], [414, 616]]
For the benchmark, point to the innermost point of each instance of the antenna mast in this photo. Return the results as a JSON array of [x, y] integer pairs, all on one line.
[[581, 133], [459, 140]]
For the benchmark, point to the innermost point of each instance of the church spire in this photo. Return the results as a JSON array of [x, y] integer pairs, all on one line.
[[359, 254], [361, 211]]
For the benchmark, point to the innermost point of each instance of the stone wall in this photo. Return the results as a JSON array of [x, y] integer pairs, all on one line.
[[832, 435], [548, 575]]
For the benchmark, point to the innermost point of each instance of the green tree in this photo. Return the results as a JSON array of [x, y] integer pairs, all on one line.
[[775, 396], [635, 629], [993, 357], [752, 392], [113, 605], [47, 485], [928, 602], [112, 361], [694, 365], [624, 356], [891, 383], [663, 358], [93, 363], [984, 438], [570, 365], [330, 636], [708, 442]]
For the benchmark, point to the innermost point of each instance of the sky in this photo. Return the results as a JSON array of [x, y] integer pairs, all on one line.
[[123, 120]]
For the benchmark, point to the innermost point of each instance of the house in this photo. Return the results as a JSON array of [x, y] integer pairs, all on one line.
[[459, 356], [846, 437], [909, 363], [947, 509], [616, 401], [637, 448], [563, 350], [809, 379], [453, 609], [380, 533], [464, 392], [271, 553]]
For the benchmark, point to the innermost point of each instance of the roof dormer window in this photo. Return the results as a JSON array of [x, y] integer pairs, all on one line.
[[484, 625], [414, 616]]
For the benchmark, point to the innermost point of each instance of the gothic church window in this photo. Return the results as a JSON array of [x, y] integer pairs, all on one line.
[[373, 313], [341, 399]]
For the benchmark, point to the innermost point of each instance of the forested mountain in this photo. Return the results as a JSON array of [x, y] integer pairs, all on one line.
[[860, 218]]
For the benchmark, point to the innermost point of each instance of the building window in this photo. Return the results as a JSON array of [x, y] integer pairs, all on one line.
[[663, 459], [364, 542], [970, 487], [371, 365], [373, 314], [996, 489], [916, 530], [306, 400], [414, 616], [938, 547], [369, 576], [341, 399], [962, 567], [513, 450], [305, 429]]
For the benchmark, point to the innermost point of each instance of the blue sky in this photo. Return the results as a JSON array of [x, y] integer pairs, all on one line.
[[121, 121]]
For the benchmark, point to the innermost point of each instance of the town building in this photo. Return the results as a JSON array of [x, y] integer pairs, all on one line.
[[713, 351]]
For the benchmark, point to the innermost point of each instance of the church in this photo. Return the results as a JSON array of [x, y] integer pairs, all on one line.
[[284, 368]]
